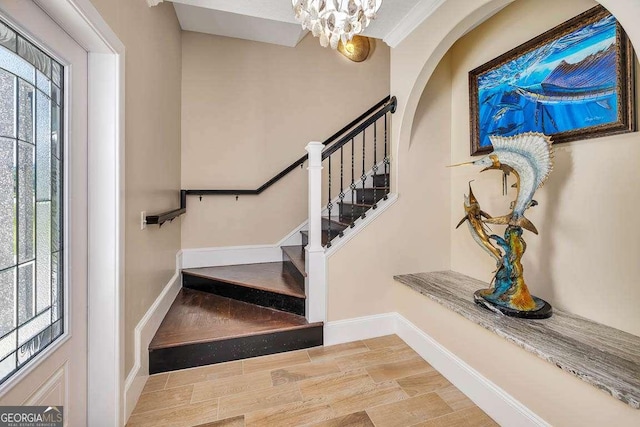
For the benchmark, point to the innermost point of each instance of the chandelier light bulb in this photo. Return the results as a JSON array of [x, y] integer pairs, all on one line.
[[333, 21]]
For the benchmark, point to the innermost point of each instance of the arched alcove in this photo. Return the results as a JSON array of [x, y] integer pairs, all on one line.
[[415, 59], [417, 235]]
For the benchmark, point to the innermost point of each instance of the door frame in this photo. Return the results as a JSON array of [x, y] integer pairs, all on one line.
[[105, 162]]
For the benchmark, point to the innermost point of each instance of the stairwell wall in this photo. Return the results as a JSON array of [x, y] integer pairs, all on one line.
[[248, 111], [152, 149]]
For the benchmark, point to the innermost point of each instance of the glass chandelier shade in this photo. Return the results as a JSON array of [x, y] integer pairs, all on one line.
[[335, 20]]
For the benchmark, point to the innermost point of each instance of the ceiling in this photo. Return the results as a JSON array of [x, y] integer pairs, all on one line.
[[273, 21]]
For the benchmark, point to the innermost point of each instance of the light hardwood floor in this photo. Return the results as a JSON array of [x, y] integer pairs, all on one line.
[[379, 382]]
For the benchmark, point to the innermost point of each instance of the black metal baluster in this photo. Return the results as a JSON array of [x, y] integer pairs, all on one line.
[[329, 207], [353, 182], [386, 161], [364, 172], [375, 162], [341, 185]]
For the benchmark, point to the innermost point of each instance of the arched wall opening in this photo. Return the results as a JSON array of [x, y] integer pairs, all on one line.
[[414, 60]]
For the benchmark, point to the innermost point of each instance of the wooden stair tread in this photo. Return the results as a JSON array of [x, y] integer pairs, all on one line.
[[270, 277], [335, 223], [360, 205], [197, 317], [296, 255]]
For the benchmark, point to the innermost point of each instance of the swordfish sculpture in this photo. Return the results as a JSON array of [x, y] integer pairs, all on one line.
[[528, 157]]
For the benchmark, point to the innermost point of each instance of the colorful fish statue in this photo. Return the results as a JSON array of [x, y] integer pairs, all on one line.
[[528, 157]]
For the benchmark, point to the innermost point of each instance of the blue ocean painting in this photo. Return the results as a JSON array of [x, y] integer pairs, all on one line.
[[567, 84]]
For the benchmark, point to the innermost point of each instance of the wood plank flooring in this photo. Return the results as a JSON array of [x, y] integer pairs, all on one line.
[[378, 383], [196, 317]]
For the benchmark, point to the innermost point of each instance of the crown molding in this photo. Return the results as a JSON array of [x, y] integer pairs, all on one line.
[[152, 3], [414, 18]]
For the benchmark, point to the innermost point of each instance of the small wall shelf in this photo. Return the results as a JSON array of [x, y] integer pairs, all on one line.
[[606, 358]]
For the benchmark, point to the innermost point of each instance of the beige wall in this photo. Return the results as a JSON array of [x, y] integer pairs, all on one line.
[[413, 235], [585, 259], [248, 111], [418, 231], [152, 148]]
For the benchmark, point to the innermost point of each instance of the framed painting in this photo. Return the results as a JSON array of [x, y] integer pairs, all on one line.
[[575, 81]]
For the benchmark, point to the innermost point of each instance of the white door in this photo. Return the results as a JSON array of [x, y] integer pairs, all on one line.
[[43, 256]]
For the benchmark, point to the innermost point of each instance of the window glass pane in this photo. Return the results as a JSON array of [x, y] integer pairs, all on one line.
[[43, 148], [26, 293], [55, 95], [7, 104], [7, 344], [56, 73], [34, 327], [26, 104], [7, 366], [56, 286], [33, 346], [7, 203], [43, 83], [7, 37], [16, 65], [56, 190], [43, 255], [26, 202], [55, 131], [34, 56], [31, 217], [8, 303], [56, 328]]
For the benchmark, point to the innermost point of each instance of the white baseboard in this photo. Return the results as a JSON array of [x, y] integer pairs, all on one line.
[[359, 328], [230, 255], [143, 334], [493, 400], [236, 255]]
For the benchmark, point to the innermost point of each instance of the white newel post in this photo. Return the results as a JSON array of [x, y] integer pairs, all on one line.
[[315, 283]]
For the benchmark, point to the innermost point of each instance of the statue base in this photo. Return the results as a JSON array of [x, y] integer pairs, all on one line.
[[543, 309]]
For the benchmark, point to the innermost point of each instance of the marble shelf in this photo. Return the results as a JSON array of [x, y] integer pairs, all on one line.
[[606, 358]]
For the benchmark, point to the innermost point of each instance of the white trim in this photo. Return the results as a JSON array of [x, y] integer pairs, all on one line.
[[143, 334], [81, 20], [58, 377], [360, 328], [411, 21], [361, 224], [493, 400], [152, 3], [236, 255], [230, 255]]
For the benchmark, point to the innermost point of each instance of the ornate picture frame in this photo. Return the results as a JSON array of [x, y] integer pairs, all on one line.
[[575, 81]]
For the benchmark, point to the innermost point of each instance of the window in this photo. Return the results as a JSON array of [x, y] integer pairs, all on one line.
[[31, 153]]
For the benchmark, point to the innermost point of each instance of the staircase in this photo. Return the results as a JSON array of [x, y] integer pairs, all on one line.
[[234, 312]]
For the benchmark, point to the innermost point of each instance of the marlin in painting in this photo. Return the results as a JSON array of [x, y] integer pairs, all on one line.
[[590, 80], [529, 157]]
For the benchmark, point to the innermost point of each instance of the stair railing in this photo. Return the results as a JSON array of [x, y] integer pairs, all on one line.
[[370, 136], [347, 194]]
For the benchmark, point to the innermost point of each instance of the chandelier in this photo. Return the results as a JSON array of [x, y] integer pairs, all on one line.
[[335, 20]]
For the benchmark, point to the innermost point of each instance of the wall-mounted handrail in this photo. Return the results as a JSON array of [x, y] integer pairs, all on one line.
[[170, 215], [391, 105], [382, 107]]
